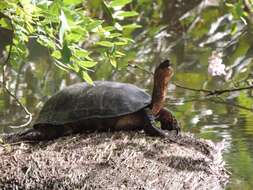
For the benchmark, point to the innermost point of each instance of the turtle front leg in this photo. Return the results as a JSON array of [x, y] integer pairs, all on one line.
[[168, 120], [150, 125]]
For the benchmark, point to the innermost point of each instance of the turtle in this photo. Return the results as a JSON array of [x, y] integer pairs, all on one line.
[[104, 106]]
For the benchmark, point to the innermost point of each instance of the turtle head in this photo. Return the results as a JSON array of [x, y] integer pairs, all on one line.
[[164, 70], [162, 76]]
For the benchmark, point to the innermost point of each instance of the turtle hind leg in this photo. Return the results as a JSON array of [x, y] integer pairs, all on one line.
[[150, 125], [27, 135]]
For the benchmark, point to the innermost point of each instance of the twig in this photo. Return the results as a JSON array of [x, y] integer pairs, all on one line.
[[6, 88], [218, 92], [193, 89], [22, 106], [140, 68], [207, 91]]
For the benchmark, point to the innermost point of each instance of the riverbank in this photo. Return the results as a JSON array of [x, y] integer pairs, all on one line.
[[122, 160]]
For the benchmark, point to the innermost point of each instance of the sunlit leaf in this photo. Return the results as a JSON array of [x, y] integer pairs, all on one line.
[[72, 2], [117, 4], [94, 24], [55, 8], [114, 35], [113, 61], [81, 52], [125, 14], [87, 64], [105, 43], [132, 26], [61, 65], [64, 26], [73, 66], [45, 41], [56, 54], [86, 77], [119, 54], [118, 26]]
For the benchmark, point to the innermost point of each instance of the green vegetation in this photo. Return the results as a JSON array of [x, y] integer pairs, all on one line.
[[77, 34]]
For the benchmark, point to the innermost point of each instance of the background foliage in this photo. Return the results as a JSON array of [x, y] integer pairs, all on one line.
[[77, 34]]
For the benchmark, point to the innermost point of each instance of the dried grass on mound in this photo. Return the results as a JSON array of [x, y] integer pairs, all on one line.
[[122, 160]]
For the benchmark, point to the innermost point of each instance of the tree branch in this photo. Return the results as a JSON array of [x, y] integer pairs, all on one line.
[[4, 86], [22, 106], [207, 91], [192, 89]]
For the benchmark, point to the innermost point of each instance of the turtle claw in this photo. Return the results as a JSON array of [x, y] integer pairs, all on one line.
[[176, 127], [178, 130]]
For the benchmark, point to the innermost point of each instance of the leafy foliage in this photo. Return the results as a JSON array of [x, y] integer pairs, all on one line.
[[76, 37]]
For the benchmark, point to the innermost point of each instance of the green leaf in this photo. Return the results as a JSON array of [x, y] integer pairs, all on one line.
[[94, 24], [118, 4], [87, 78], [81, 53], [107, 11], [66, 53], [125, 14], [109, 28], [119, 54], [46, 41], [61, 65], [105, 43], [55, 7], [132, 26], [74, 67], [87, 64], [113, 61], [114, 35], [72, 2], [118, 26], [64, 26], [56, 54]]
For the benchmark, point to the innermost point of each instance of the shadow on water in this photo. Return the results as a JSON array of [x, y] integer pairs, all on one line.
[[228, 118]]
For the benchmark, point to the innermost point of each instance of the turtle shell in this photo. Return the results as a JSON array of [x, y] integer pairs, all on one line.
[[81, 101]]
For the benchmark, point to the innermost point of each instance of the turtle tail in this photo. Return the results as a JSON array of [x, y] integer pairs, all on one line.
[[27, 135]]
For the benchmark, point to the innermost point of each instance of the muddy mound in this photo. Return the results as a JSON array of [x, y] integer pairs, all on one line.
[[123, 160]]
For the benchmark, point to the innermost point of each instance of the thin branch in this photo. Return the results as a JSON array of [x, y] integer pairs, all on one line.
[[218, 92], [4, 86], [140, 68], [22, 106], [208, 92], [193, 89]]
